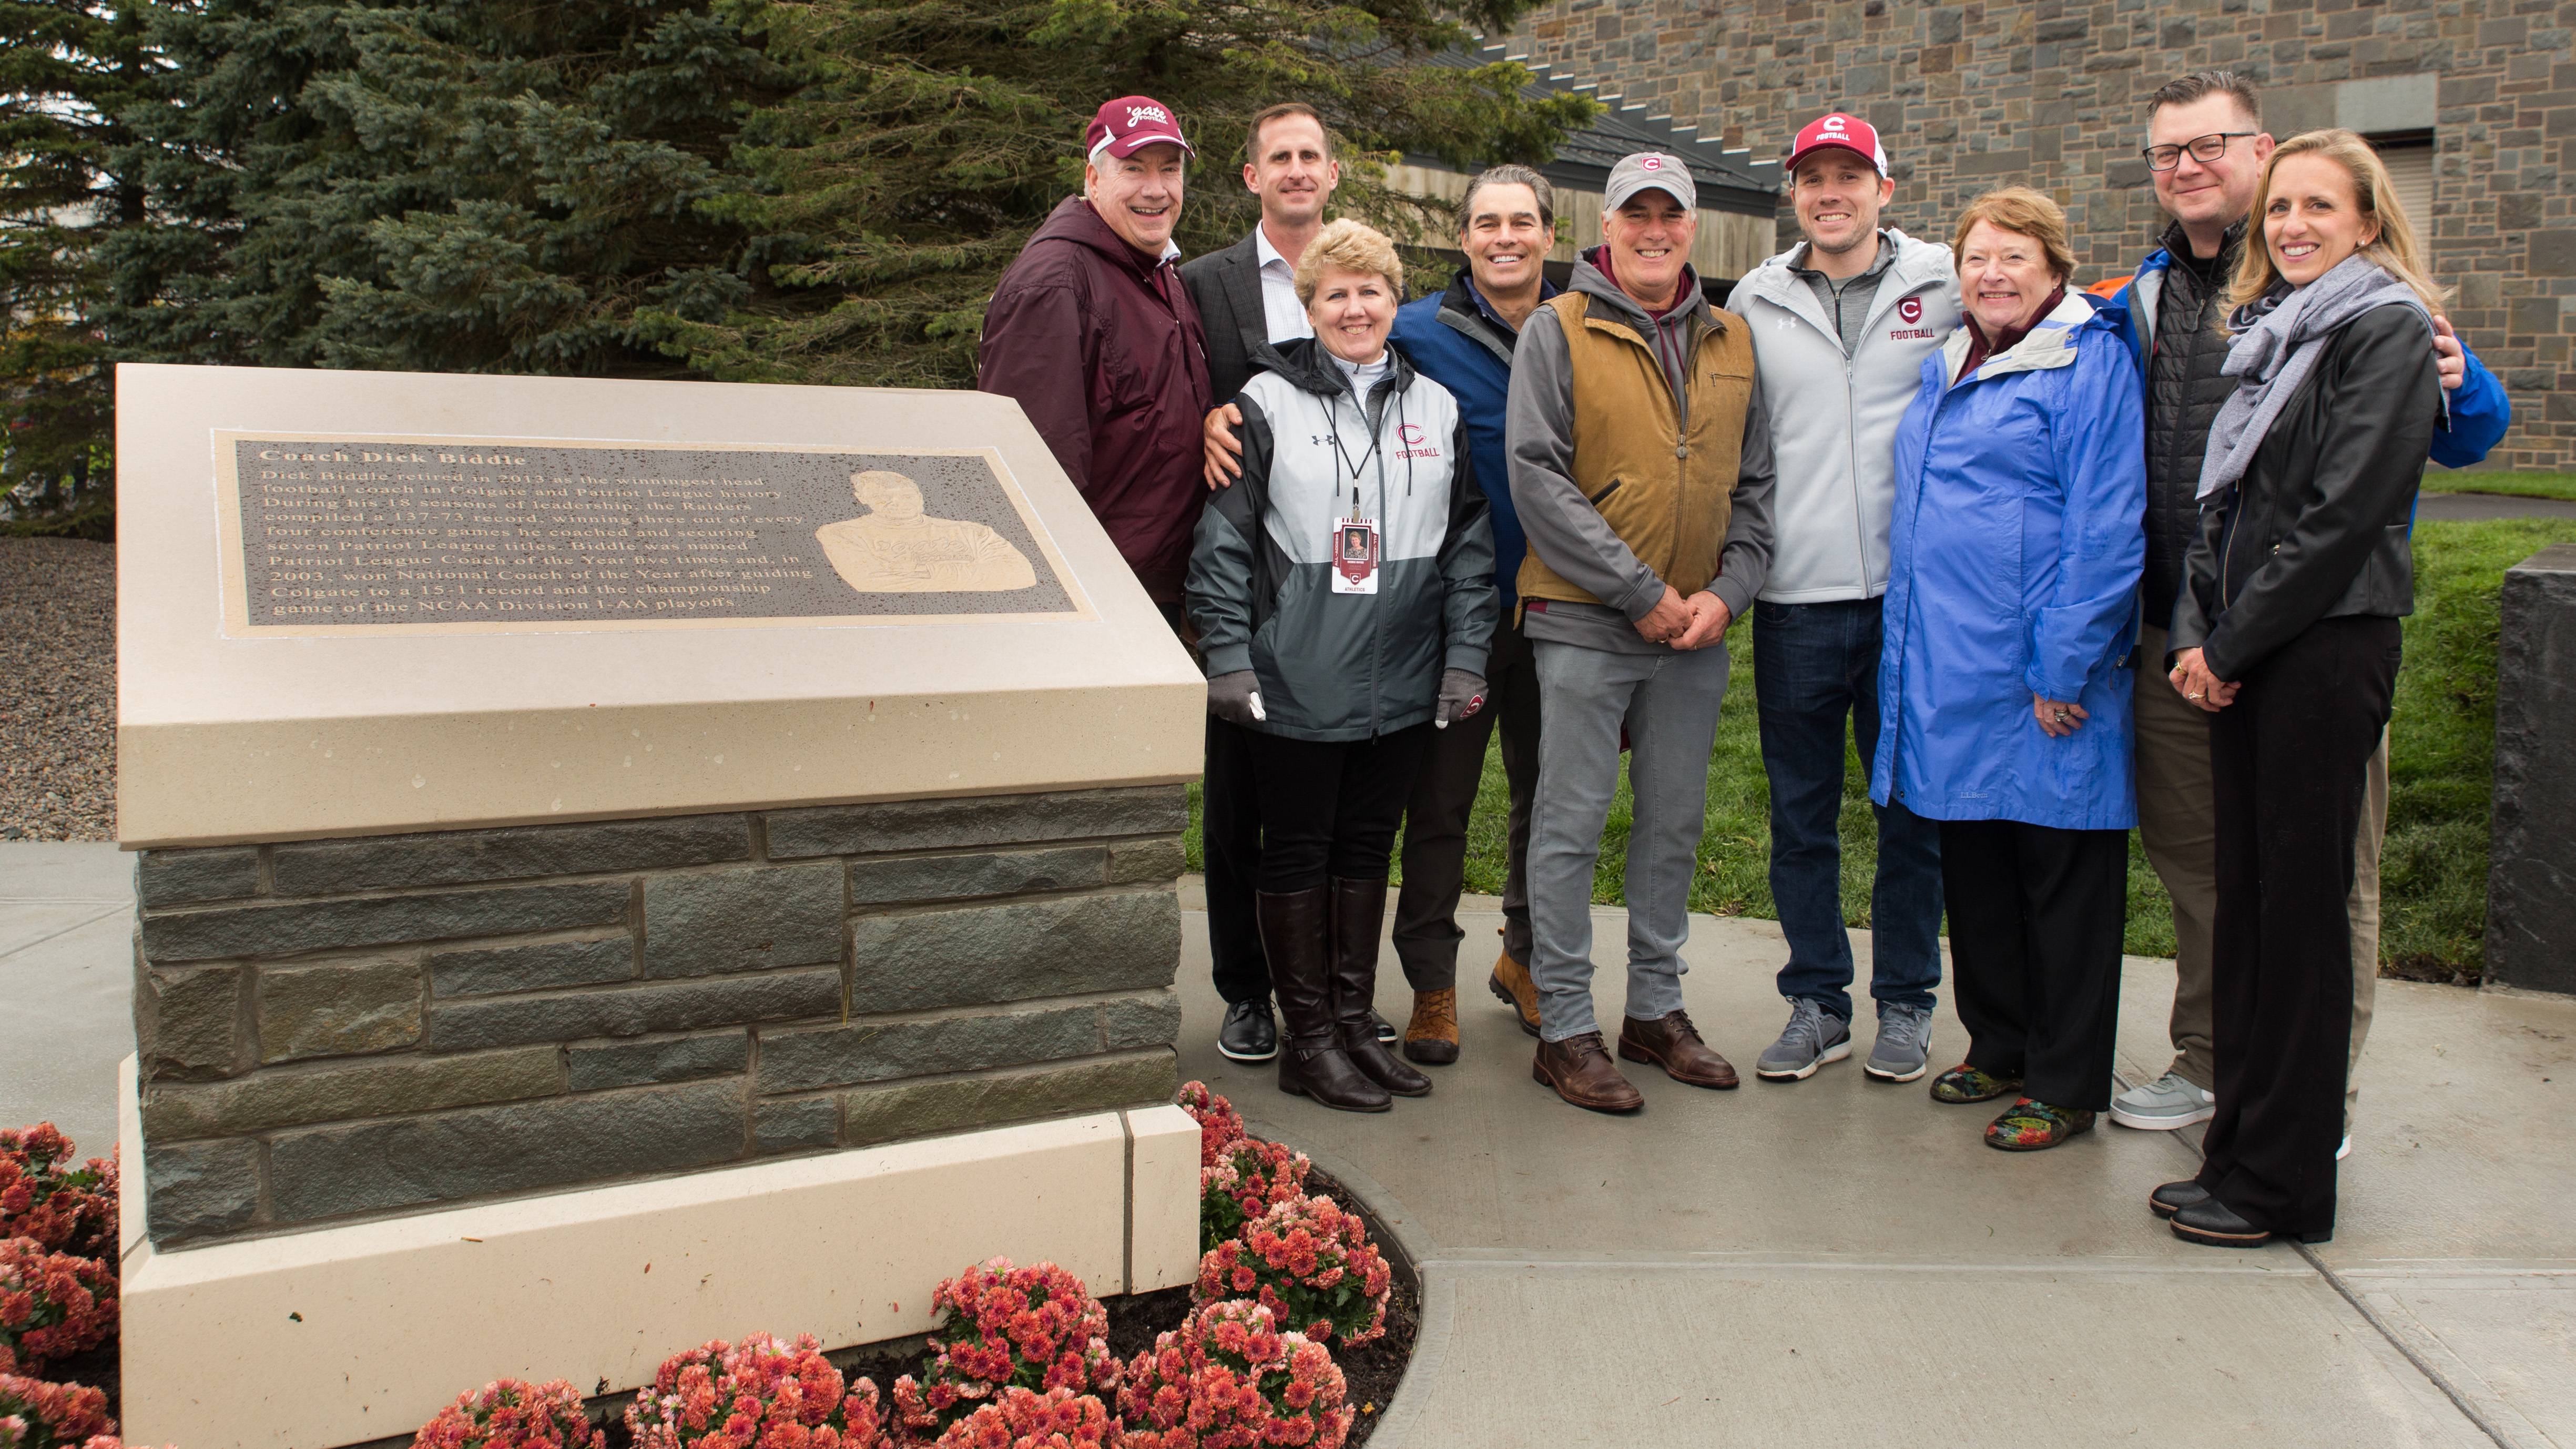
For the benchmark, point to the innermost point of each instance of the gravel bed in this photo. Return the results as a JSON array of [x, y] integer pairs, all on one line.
[[57, 689]]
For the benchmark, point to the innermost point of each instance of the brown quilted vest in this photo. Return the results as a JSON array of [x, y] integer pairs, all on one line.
[[1668, 495]]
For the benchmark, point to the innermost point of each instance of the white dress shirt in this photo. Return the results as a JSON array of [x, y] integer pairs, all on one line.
[[1281, 317]]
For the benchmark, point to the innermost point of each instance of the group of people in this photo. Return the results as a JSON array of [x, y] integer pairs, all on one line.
[[2069, 562]]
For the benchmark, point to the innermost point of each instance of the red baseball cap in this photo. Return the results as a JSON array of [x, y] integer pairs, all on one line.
[[1840, 132], [1129, 124]]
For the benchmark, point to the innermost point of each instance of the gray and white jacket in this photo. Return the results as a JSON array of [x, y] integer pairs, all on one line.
[[1336, 667], [1834, 415]]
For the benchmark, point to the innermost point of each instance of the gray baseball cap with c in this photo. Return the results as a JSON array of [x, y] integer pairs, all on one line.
[[1653, 169]]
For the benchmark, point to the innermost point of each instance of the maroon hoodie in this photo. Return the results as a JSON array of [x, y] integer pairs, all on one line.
[[1103, 348]]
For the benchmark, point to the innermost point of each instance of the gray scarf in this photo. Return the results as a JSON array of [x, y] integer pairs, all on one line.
[[2271, 356]]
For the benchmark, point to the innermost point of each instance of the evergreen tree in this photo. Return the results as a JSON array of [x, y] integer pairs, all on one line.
[[67, 69], [447, 185], [928, 139]]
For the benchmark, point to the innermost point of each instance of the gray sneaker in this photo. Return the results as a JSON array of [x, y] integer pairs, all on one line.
[[1904, 1043], [2162, 1105], [1812, 1038]]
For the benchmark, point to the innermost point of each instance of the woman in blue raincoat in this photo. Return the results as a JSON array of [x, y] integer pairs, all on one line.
[[2004, 678]]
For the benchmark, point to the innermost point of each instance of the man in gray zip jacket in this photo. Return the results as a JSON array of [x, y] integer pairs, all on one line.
[[1842, 323], [1641, 472]]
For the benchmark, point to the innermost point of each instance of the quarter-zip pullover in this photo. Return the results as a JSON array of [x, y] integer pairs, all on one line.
[[1837, 393]]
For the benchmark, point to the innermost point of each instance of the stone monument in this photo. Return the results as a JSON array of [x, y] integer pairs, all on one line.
[[2531, 913], [622, 864]]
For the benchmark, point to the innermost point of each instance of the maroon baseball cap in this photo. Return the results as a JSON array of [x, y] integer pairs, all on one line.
[[1839, 132], [1128, 125]]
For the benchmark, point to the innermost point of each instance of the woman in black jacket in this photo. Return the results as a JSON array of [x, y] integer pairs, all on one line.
[[2287, 631]]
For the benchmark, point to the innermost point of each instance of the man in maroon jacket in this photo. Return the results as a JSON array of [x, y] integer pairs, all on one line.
[[1092, 330]]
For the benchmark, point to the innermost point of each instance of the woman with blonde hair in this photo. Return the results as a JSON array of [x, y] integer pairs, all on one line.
[[2003, 679], [2287, 632], [1344, 596]]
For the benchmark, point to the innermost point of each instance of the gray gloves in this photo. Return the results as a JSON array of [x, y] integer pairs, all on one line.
[[1461, 694], [1235, 698]]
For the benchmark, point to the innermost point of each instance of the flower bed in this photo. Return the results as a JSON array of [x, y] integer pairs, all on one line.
[[1294, 1334]]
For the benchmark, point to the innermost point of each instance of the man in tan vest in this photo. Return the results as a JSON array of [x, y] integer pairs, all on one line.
[[1641, 468]]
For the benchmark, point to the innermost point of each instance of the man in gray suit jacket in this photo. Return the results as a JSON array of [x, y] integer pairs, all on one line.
[[1247, 295]]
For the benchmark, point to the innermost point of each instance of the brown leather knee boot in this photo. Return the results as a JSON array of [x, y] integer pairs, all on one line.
[[1296, 937], [1359, 909]]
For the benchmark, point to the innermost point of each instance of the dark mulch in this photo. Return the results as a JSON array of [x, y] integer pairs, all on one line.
[[99, 1369]]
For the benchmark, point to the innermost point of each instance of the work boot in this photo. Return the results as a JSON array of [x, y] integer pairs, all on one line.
[[1431, 1038], [1671, 1042], [1295, 936], [1513, 987], [1580, 1070], [1359, 909]]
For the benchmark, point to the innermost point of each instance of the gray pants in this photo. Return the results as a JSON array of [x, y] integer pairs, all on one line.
[[1668, 702]]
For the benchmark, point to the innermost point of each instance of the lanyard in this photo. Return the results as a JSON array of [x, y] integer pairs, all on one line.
[[1375, 443]]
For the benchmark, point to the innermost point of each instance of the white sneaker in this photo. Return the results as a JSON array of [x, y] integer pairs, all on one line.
[[2346, 1149], [2164, 1104]]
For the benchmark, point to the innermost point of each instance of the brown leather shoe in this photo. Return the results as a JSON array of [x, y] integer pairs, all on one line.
[[1513, 987], [1431, 1038], [1672, 1043], [1580, 1070]]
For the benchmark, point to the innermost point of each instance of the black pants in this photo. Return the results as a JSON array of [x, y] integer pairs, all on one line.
[[2288, 762], [1435, 820], [2036, 916], [1230, 839], [1329, 811]]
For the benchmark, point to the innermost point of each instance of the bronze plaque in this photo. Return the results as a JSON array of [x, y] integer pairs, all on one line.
[[329, 533]]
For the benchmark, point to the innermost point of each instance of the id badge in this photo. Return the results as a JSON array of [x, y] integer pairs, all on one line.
[[1355, 556]]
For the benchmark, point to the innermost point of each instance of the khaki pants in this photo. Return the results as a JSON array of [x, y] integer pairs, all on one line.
[[2177, 824]]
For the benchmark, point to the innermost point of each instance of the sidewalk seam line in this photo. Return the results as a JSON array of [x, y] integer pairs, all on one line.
[[65, 931], [2380, 1326], [2423, 1366]]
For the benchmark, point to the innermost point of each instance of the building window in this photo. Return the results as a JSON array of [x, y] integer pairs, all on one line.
[[2408, 155]]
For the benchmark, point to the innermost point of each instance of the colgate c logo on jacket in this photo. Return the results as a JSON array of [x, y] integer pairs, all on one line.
[[1911, 309], [1411, 433]]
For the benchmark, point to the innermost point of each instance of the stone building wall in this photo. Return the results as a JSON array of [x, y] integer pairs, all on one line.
[[2052, 94], [346, 1028]]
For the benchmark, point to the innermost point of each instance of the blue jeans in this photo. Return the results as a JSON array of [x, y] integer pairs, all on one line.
[[1814, 664]]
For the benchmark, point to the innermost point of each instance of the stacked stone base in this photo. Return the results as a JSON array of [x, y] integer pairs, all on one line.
[[343, 1029]]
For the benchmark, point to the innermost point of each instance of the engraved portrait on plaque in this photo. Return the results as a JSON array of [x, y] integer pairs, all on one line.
[[335, 533], [896, 548]]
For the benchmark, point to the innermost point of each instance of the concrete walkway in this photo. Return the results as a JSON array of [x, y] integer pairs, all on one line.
[[1842, 1261], [67, 976], [2473, 506], [1830, 1261]]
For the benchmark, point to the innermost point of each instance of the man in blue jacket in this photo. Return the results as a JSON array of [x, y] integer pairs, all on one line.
[[2206, 153], [1463, 339]]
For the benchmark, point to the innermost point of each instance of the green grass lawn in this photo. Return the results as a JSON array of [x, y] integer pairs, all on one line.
[[2520, 485], [2441, 765]]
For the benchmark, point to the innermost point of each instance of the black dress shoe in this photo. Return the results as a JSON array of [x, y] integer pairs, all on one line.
[[1249, 1033], [1385, 1029], [2214, 1224], [2173, 1197]]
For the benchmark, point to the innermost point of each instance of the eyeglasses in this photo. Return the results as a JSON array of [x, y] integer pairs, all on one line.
[[2202, 148]]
